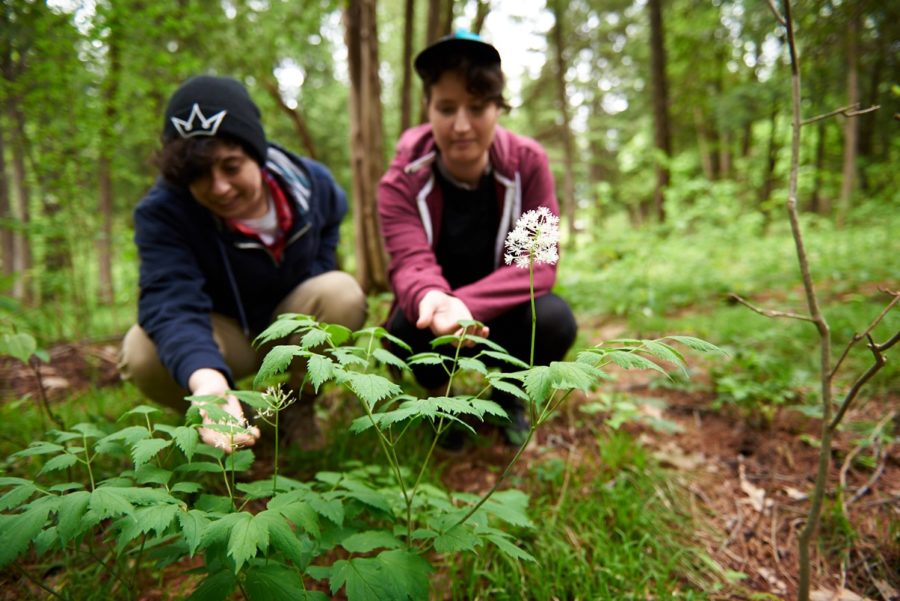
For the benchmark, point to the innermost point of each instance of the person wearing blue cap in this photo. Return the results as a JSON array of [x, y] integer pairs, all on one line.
[[236, 231], [454, 190]]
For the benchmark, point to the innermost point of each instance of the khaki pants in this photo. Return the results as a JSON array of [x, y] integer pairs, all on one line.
[[332, 297]]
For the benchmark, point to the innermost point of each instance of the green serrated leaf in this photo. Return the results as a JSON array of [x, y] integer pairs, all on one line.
[[470, 364], [506, 358], [282, 328], [313, 338], [276, 362], [631, 360], [60, 462], [427, 359], [187, 440], [273, 582], [409, 573], [509, 389], [141, 410], [296, 509], [283, 537], [18, 530], [151, 474], [509, 548], [193, 523], [144, 450], [129, 436], [215, 587], [388, 358], [72, 508], [458, 538], [332, 509], [696, 344], [363, 578], [20, 346], [155, 518], [363, 542], [46, 540], [89, 430], [567, 375], [539, 384], [372, 388], [339, 334], [347, 356], [663, 351], [17, 496], [510, 506], [200, 466], [186, 487], [247, 535], [109, 502], [320, 369], [39, 448]]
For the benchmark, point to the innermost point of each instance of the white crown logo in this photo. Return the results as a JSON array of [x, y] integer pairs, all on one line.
[[208, 125]]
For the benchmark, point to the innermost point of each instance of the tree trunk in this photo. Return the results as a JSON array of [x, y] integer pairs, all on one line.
[[851, 125], [447, 18], [107, 148], [703, 144], [482, 8], [771, 156], [7, 248], [724, 154], [817, 203], [568, 196], [406, 85], [22, 254], [659, 86], [296, 117], [366, 141]]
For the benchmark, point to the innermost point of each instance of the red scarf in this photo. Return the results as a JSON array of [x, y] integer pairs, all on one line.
[[282, 213]]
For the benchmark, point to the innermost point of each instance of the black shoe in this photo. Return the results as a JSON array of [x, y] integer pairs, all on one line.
[[452, 440], [516, 431]]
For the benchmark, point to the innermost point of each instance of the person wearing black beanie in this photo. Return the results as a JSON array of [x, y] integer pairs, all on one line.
[[236, 231]]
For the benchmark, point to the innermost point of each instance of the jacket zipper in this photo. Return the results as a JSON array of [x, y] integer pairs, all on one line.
[[256, 245]]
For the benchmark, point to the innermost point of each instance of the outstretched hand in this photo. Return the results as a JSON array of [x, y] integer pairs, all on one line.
[[442, 313], [211, 382]]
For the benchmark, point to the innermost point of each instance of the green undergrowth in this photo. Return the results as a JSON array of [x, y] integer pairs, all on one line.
[[613, 527], [633, 273]]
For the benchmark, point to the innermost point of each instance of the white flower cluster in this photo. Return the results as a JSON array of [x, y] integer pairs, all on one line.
[[276, 399], [535, 238]]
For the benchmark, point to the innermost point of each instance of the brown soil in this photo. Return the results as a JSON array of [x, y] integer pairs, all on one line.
[[750, 485]]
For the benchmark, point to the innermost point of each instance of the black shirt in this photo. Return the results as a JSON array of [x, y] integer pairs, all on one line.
[[469, 223]]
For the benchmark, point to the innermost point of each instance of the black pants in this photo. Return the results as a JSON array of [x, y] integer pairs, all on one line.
[[554, 335]]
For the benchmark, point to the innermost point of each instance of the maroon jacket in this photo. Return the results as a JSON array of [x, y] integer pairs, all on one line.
[[410, 206]]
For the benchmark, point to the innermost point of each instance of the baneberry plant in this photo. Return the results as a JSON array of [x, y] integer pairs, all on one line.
[[370, 529]]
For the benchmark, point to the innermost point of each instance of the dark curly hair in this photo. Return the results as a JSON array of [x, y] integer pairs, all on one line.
[[484, 81], [184, 160]]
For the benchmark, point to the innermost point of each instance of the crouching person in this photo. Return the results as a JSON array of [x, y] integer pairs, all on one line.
[[236, 231], [453, 192]]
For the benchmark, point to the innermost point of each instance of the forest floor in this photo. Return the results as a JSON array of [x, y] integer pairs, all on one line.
[[749, 484]]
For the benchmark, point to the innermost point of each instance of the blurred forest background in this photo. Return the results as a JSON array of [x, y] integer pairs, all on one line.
[[652, 111]]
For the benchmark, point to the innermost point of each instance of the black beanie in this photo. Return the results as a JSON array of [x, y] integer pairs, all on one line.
[[207, 106]]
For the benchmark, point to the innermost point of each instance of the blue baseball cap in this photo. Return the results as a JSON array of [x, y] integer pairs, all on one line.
[[460, 43]]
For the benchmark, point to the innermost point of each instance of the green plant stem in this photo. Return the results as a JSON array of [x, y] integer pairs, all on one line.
[[137, 563], [499, 480], [36, 582], [275, 466], [533, 312], [225, 478], [87, 460]]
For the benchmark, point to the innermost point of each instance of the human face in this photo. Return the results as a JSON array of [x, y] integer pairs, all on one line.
[[463, 126], [233, 188]]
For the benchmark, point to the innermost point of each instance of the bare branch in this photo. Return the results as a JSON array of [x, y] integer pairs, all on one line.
[[852, 110], [775, 12], [769, 312], [857, 337], [880, 361]]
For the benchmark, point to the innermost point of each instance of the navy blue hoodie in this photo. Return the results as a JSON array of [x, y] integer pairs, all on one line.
[[192, 264]]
